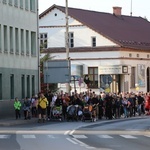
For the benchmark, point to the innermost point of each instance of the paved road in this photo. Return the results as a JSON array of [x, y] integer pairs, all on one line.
[[102, 135], [127, 134]]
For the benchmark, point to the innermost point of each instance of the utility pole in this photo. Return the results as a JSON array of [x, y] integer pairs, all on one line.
[[67, 30], [67, 48], [131, 9]]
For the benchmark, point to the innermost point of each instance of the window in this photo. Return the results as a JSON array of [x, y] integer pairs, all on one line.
[[33, 85], [5, 39], [16, 3], [93, 75], [137, 55], [71, 39], [11, 39], [26, 4], [28, 86], [0, 39], [43, 40], [10, 2], [22, 41], [130, 55], [33, 43], [21, 4], [147, 55], [132, 77], [93, 41], [5, 1], [23, 86], [32, 5], [12, 86], [0, 86], [17, 40], [27, 42]]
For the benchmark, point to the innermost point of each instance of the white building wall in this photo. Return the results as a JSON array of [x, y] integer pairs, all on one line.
[[55, 27]]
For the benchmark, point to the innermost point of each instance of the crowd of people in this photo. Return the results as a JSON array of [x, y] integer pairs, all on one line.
[[109, 105]]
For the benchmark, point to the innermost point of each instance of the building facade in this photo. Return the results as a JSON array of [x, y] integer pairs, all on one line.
[[19, 54], [111, 49]]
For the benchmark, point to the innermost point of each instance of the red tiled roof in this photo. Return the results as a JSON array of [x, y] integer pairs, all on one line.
[[127, 31]]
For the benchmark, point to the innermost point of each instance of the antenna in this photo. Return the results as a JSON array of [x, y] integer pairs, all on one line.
[[131, 9]]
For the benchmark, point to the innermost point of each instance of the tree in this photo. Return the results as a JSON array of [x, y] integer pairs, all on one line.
[[45, 87]]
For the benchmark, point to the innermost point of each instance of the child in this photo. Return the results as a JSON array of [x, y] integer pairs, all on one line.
[[17, 106]]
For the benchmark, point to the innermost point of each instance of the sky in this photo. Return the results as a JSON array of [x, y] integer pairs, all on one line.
[[139, 7]]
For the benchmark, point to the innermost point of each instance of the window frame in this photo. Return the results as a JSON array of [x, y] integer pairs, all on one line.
[[93, 79]]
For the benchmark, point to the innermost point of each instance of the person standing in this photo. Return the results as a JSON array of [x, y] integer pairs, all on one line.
[[17, 106], [49, 97], [42, 105], [26, 108]]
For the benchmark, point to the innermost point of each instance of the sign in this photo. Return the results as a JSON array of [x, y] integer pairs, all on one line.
[[141, 75], [116, 69], [56, 71]]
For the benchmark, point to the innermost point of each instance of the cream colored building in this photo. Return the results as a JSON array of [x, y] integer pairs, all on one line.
[[112, 49]]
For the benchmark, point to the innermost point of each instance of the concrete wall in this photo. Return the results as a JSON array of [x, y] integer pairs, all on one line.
[[7, 109]]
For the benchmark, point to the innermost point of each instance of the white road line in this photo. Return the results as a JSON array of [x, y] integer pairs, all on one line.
[[89, 147], [71, 132], [67, 132], [129, 136], [105, 136], [147, 135], [81, 143], [4, 136], [51, 136], [70, 140], [29, 136], [79, 136]]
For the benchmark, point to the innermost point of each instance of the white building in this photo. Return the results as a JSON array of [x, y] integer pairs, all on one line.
[[19, 53], [112, 49]]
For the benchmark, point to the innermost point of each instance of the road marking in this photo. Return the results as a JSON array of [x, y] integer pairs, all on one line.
[[51, 136], [67, 132], [29, 136], [129, 136], [71, 132], [81, 143], [90, 147], [105, 136], [80, 136], [4, 136], [70, 140], [147, 135]]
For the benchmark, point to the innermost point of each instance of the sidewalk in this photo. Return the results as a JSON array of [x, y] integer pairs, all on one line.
[[12, 121]]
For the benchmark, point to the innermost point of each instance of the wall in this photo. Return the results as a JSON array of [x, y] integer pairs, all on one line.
[[7, 109]]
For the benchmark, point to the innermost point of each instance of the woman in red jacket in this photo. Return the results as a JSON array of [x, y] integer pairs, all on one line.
[[147, 104]]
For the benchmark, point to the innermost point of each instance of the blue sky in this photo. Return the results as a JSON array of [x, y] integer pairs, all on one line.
[[139, 7]]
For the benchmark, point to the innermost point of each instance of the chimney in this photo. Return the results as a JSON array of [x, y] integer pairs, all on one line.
[[117, 11]]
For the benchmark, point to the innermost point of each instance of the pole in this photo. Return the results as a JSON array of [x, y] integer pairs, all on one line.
[[67, 48], [38, 51], [67, 30], [131, 9]]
